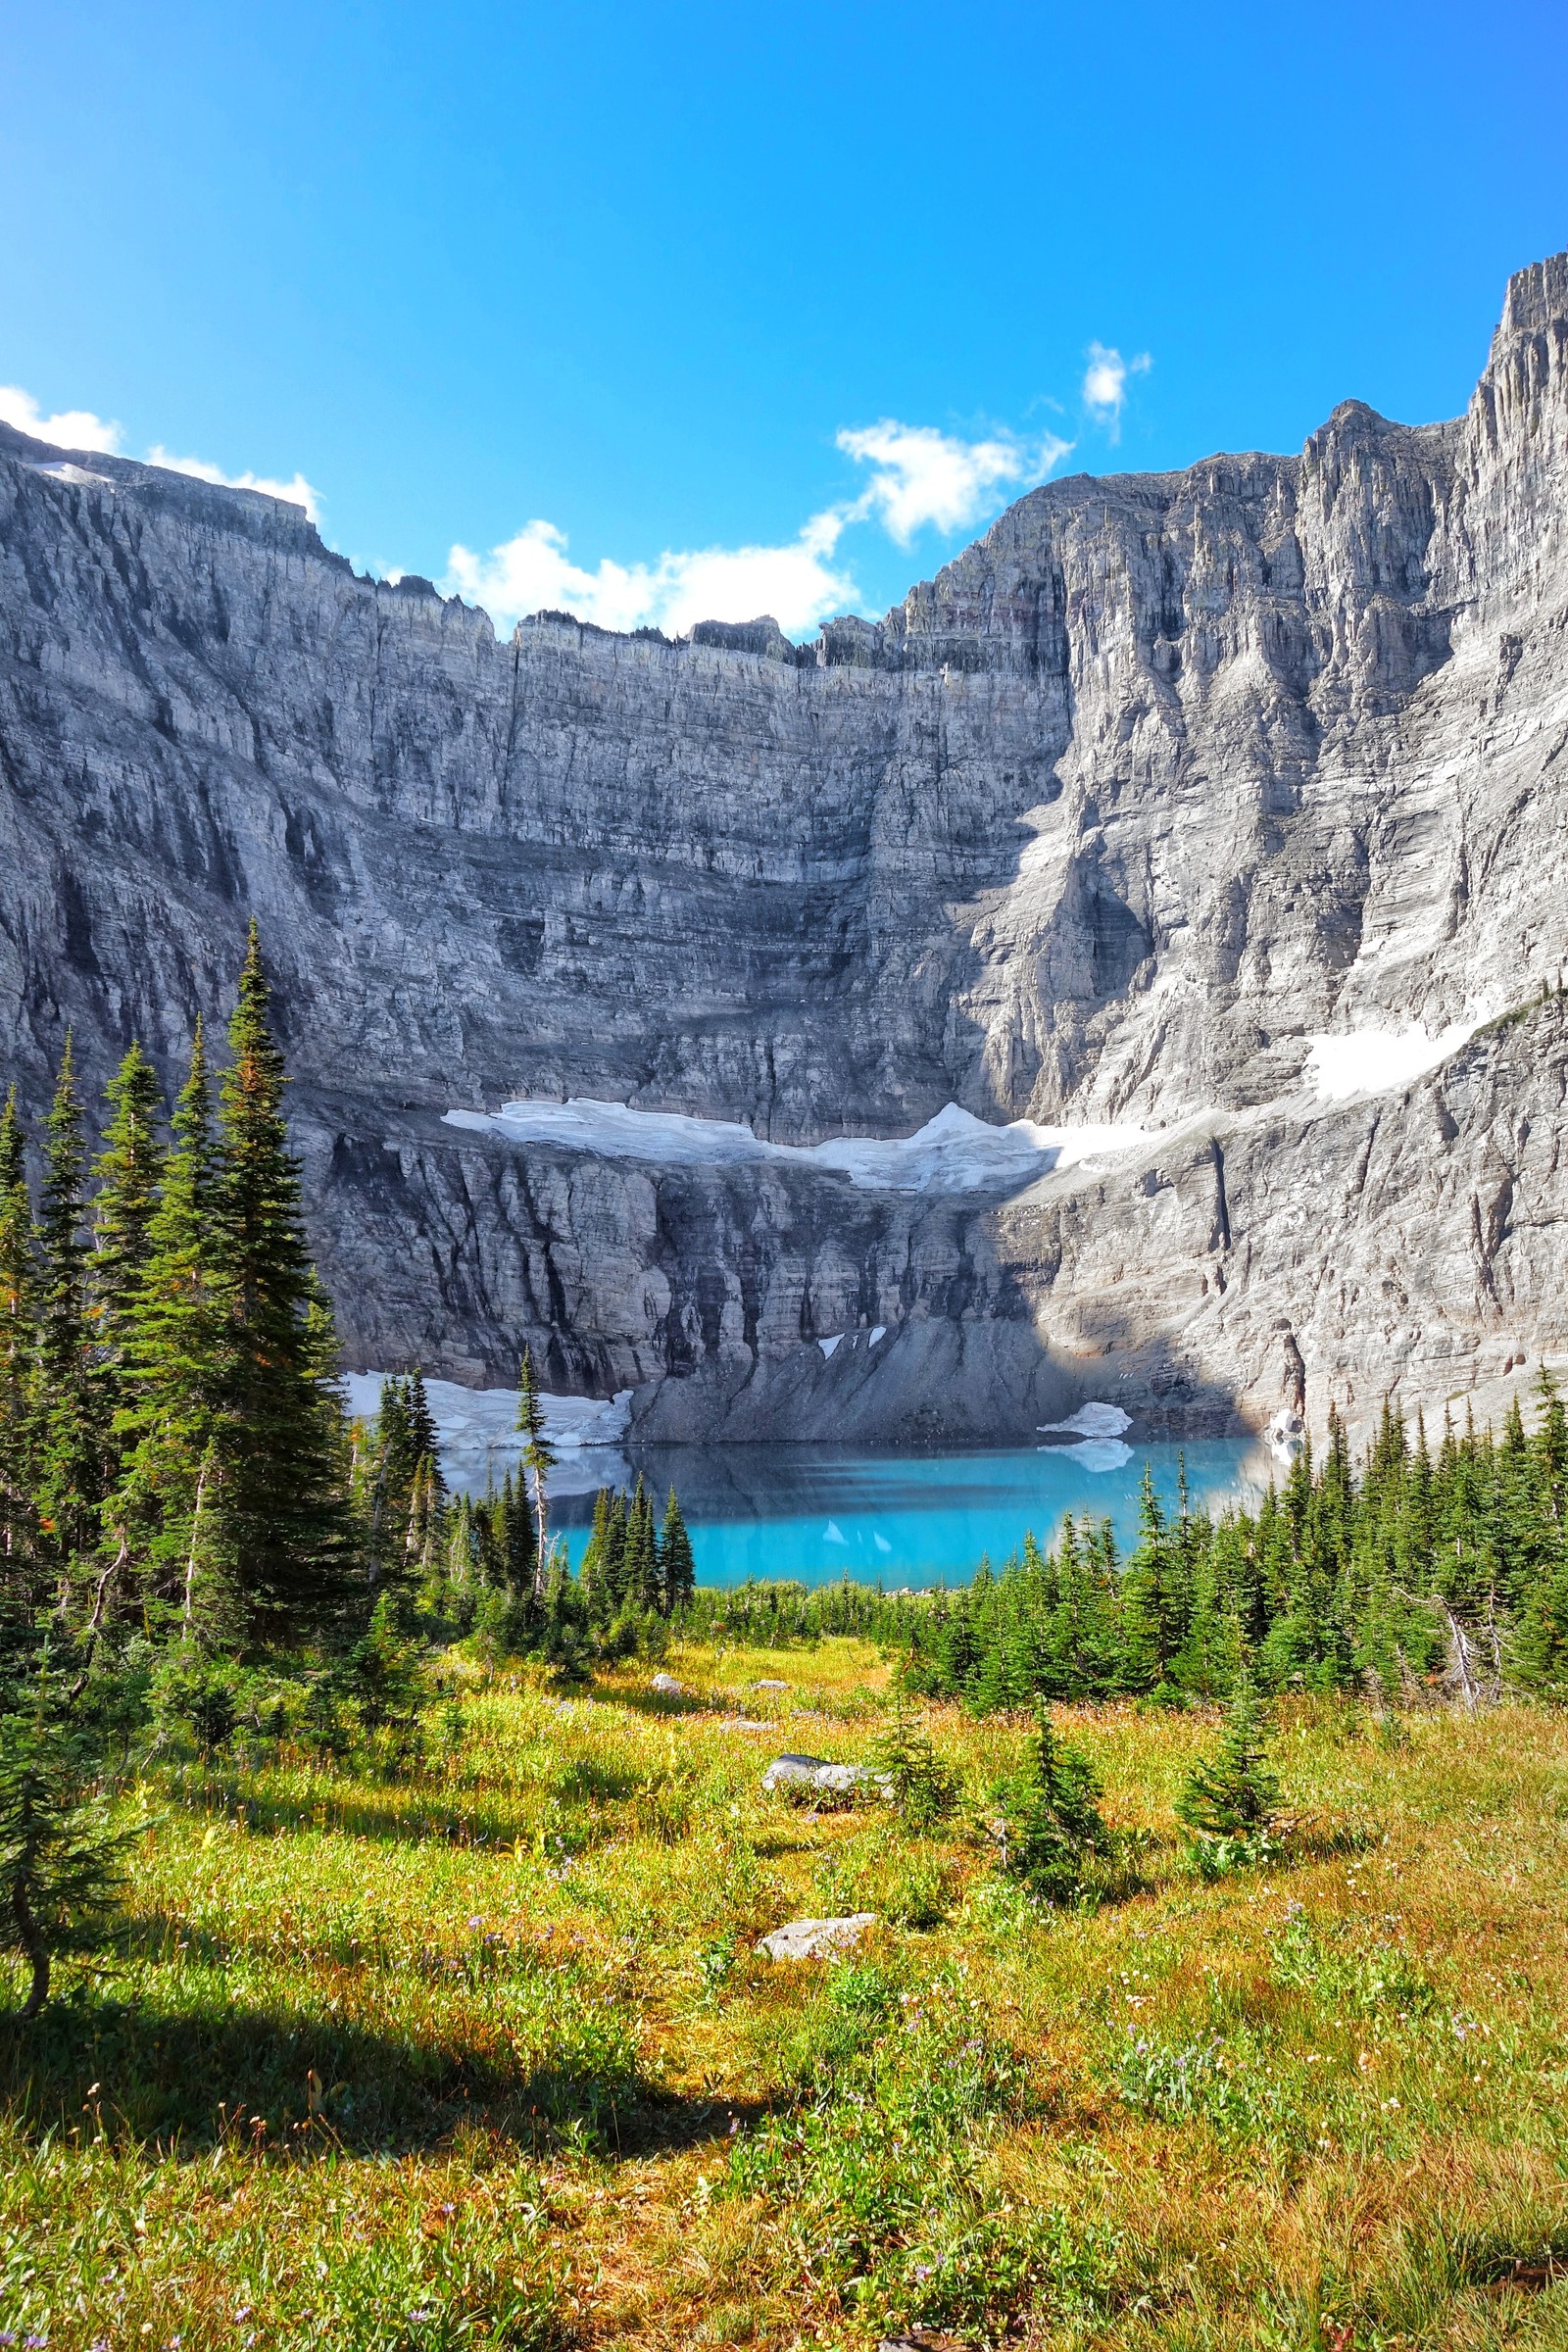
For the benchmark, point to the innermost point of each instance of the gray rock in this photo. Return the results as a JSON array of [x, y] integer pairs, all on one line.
[[769, 1686], [668, 1686], [815, 1777], [1162, 778], [816, 1939]]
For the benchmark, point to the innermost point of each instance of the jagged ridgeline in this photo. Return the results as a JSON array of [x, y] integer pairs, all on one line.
[[1420, 1573], [175, 1460]]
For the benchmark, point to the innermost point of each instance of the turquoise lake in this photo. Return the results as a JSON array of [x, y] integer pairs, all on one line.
[[816, 1512]]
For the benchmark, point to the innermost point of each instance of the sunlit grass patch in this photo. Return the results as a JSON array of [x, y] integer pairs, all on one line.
[[481, 2050]]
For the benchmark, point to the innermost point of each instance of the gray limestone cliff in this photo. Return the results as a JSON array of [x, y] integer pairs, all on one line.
[[1161, 780]]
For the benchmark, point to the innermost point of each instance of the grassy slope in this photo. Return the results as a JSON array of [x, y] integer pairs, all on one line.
[[487, 2056]]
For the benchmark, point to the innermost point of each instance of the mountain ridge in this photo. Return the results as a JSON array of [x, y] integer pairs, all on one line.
[[1158, 782]]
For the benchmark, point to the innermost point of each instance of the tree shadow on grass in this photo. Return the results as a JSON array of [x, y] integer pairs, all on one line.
[[287, 2082], [351, 1813]]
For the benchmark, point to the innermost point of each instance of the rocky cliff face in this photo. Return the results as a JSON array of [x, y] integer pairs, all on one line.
[[1161, 780]]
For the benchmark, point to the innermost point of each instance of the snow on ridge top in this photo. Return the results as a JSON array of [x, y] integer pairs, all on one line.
[[1374, 1061], [954, 1151]]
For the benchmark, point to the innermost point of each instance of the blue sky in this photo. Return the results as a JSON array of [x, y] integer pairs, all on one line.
[[655, 311]]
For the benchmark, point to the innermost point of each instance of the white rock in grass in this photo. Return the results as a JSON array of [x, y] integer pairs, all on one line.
[[814, 1775], [667, 1686], [816, 1939]]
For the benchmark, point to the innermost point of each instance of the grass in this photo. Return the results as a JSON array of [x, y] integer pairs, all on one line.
[[485, 2054]]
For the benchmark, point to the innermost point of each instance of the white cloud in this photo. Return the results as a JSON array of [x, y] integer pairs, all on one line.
[[1105, 384], [79, 428], [922, 477], [796, 582], [299, 491], [68, 429], [918, 476]]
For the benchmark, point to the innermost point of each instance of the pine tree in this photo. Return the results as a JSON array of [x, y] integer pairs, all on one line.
[[677, 1567], [283, 1471], [538, 1457]]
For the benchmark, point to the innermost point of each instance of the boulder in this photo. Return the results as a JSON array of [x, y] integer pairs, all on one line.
[[668, 1686], [816, 1939], [816, 1777]]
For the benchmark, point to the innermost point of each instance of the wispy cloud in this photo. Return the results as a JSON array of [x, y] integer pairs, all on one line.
[[1105, 384], [921, 476], [80, 429], [68, 428]]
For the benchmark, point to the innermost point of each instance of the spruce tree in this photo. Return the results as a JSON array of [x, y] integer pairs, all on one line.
[[1235, 1795], [538, 1457], [520, 1539], [70, 1431], [170, 1503], [128, 1174], [282, 1469], [18, 1347], [677, 1567], [1056, 1837]]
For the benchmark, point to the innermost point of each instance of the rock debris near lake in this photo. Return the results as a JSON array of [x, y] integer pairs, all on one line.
[[1213, 824]]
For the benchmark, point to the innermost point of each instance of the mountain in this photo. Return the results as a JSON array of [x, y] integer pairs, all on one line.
[[1225, 810]]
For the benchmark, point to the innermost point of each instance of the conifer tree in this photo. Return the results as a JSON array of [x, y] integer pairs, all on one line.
[[282, 1470], [1057, 1834], [677, 1567], [170, 1503], [130, 1172], [71, 1435], [62, 1868], [1235, 1795], [520, 1539], [538, 1457], [18, 1347]]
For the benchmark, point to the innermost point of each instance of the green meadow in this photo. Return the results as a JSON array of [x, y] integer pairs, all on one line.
[[473, 2045]]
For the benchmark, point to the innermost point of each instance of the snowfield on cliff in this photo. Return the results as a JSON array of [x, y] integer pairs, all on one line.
[[952, 1152]]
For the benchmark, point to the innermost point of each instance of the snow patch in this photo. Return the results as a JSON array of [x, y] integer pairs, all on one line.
[[827, 1346], [879, 1331], [64, 472], [477, 1428], [952, 1152], [1374, 1061], [1095, 1420], [834, 1533]]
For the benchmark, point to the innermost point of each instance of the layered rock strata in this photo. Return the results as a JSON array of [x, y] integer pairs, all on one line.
[[1161, 780]]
